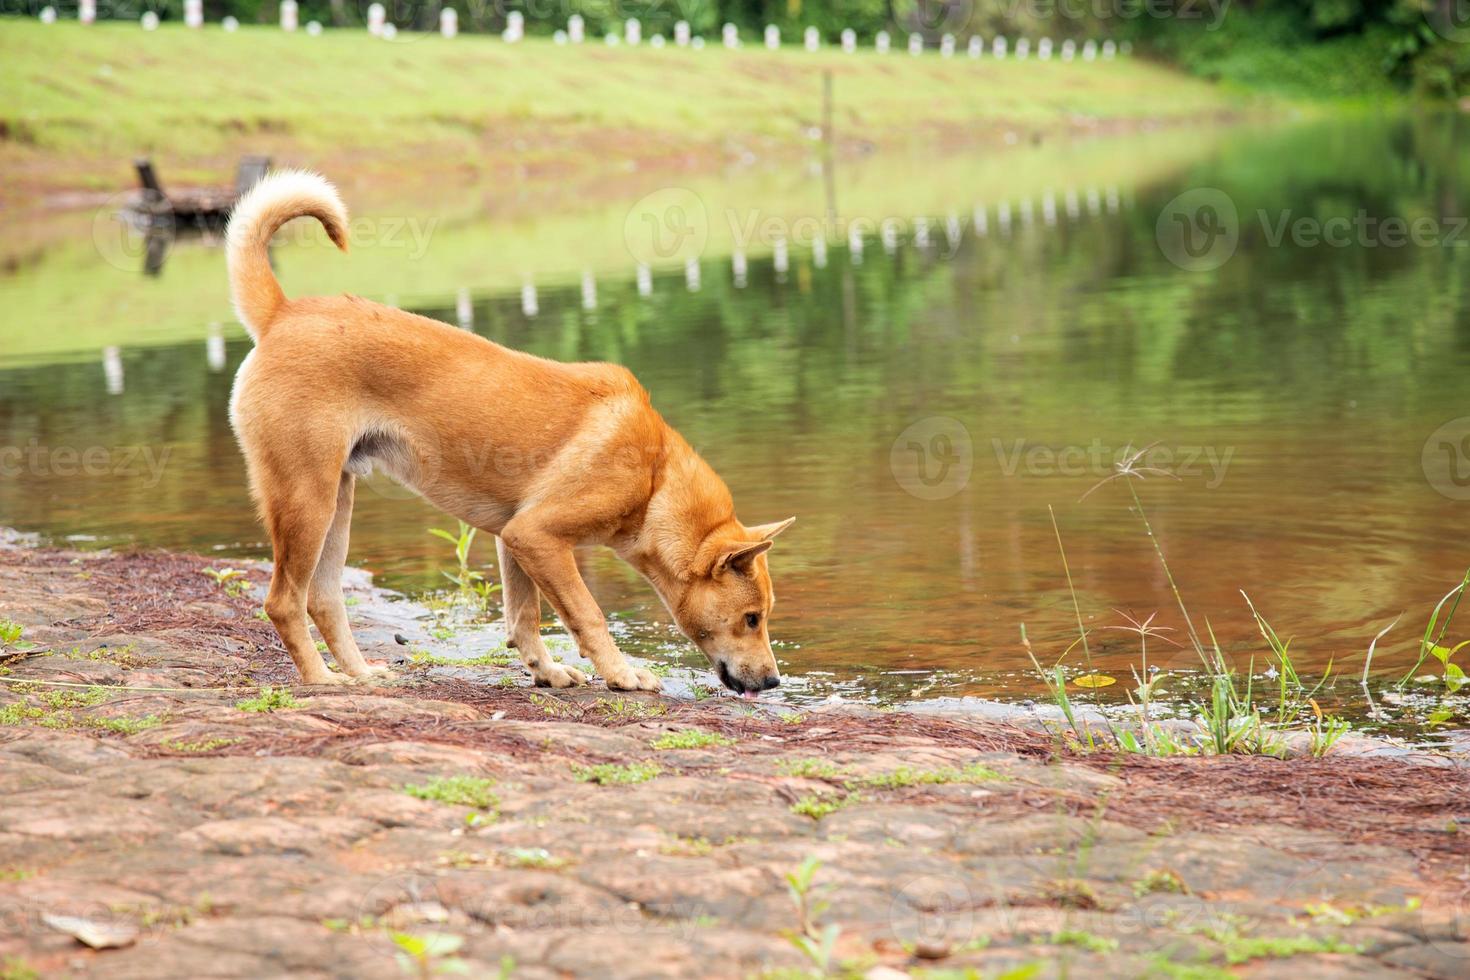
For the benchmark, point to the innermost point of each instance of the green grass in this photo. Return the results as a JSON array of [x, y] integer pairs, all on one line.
[[613, 774], [269, 699], [95, 91], [1240, 949], [422, 658], [471, 791], [691, 738], [819, 806], [906, 776]]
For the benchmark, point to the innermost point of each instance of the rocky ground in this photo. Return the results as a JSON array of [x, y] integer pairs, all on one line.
[[162, 817]]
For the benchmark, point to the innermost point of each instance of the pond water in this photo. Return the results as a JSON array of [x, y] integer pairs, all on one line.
[[923, 407]]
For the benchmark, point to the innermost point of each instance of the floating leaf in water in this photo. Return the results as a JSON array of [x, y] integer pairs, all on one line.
[[1094, 680]]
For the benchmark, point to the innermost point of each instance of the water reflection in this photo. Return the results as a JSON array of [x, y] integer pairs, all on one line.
[[921, 404]]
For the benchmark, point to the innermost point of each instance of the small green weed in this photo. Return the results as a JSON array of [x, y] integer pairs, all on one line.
[[691, 738], [472, 791], [269, 699], [612, 774]]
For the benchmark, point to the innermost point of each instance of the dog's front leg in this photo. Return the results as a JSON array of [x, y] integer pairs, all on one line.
[[550, 562], [523, 625]]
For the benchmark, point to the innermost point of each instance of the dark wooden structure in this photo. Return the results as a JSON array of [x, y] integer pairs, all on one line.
[[204, 207]]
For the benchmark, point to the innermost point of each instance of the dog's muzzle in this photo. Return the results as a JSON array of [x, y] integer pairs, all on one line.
[[744, 688]]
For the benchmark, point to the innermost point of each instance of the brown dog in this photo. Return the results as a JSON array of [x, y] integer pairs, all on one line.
[[545, 455]]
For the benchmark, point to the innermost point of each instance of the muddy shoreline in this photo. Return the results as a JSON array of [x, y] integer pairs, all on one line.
[[592, 833]]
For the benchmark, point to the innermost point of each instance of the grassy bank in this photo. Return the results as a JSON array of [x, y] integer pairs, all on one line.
[[76, 103]]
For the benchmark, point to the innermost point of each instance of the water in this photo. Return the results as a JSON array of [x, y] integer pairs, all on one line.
[[922, 409]]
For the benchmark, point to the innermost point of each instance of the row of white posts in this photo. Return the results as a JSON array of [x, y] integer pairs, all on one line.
[[576, 33], [923, 236]]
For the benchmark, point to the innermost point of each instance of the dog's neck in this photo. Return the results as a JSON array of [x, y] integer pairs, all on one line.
[[688, 505]]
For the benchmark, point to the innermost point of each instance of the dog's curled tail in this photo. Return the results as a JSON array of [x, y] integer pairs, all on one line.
[[272, 202]]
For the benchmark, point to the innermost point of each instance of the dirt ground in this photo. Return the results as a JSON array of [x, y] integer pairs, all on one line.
[[459, 820]]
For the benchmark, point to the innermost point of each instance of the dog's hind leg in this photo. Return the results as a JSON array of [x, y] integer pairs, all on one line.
[[523, 625], [324, 600], [298, 514]]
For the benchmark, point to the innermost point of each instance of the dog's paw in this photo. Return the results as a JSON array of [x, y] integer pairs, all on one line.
[[555, 675], [327, 678], [634, 679], [374, 674]]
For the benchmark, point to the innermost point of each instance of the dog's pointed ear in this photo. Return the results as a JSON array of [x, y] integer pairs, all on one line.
[[765, 532], [739, 556]]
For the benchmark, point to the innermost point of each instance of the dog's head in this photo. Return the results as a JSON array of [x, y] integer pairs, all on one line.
[[725, 607]]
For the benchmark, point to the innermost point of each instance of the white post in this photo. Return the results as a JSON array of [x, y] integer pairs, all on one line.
[[681, 34], [289, 15], [214, 347], [916, 44], [375, 17], [576, 29], [946, 46], [314, 28], [87, 11], [194, 13], [691, 274], [112, 365], [515, 27], [773, 37], [1043, 49], [780, 259], [1089, 51], [730, 36], [849, 40], [811, 39], [1023, 48], [645, 280], [633, 31], [390, 31], [559, 38], [1125, 48], [998, 47], [449, 22], [589, 291], [149, 20], [48, 15], [1108, 50], [529, 306], [738, 269], [230, 25], [880, 42], [977, 46], [464, 308], [819, 251], [1069, 49], [611, 40], [855, 244], [657, 41]]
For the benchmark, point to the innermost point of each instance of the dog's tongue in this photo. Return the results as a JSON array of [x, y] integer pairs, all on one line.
[[750, 695]]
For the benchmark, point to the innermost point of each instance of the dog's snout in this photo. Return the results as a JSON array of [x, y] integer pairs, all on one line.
[[772, 680]]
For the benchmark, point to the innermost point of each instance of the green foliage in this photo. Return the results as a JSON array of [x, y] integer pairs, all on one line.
[[471, 791], [269, 699], [819, 806], [691, 738], [10, 632], [612, 774]]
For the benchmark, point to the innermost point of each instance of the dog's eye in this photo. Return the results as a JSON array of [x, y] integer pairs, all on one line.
[[752, 620]]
